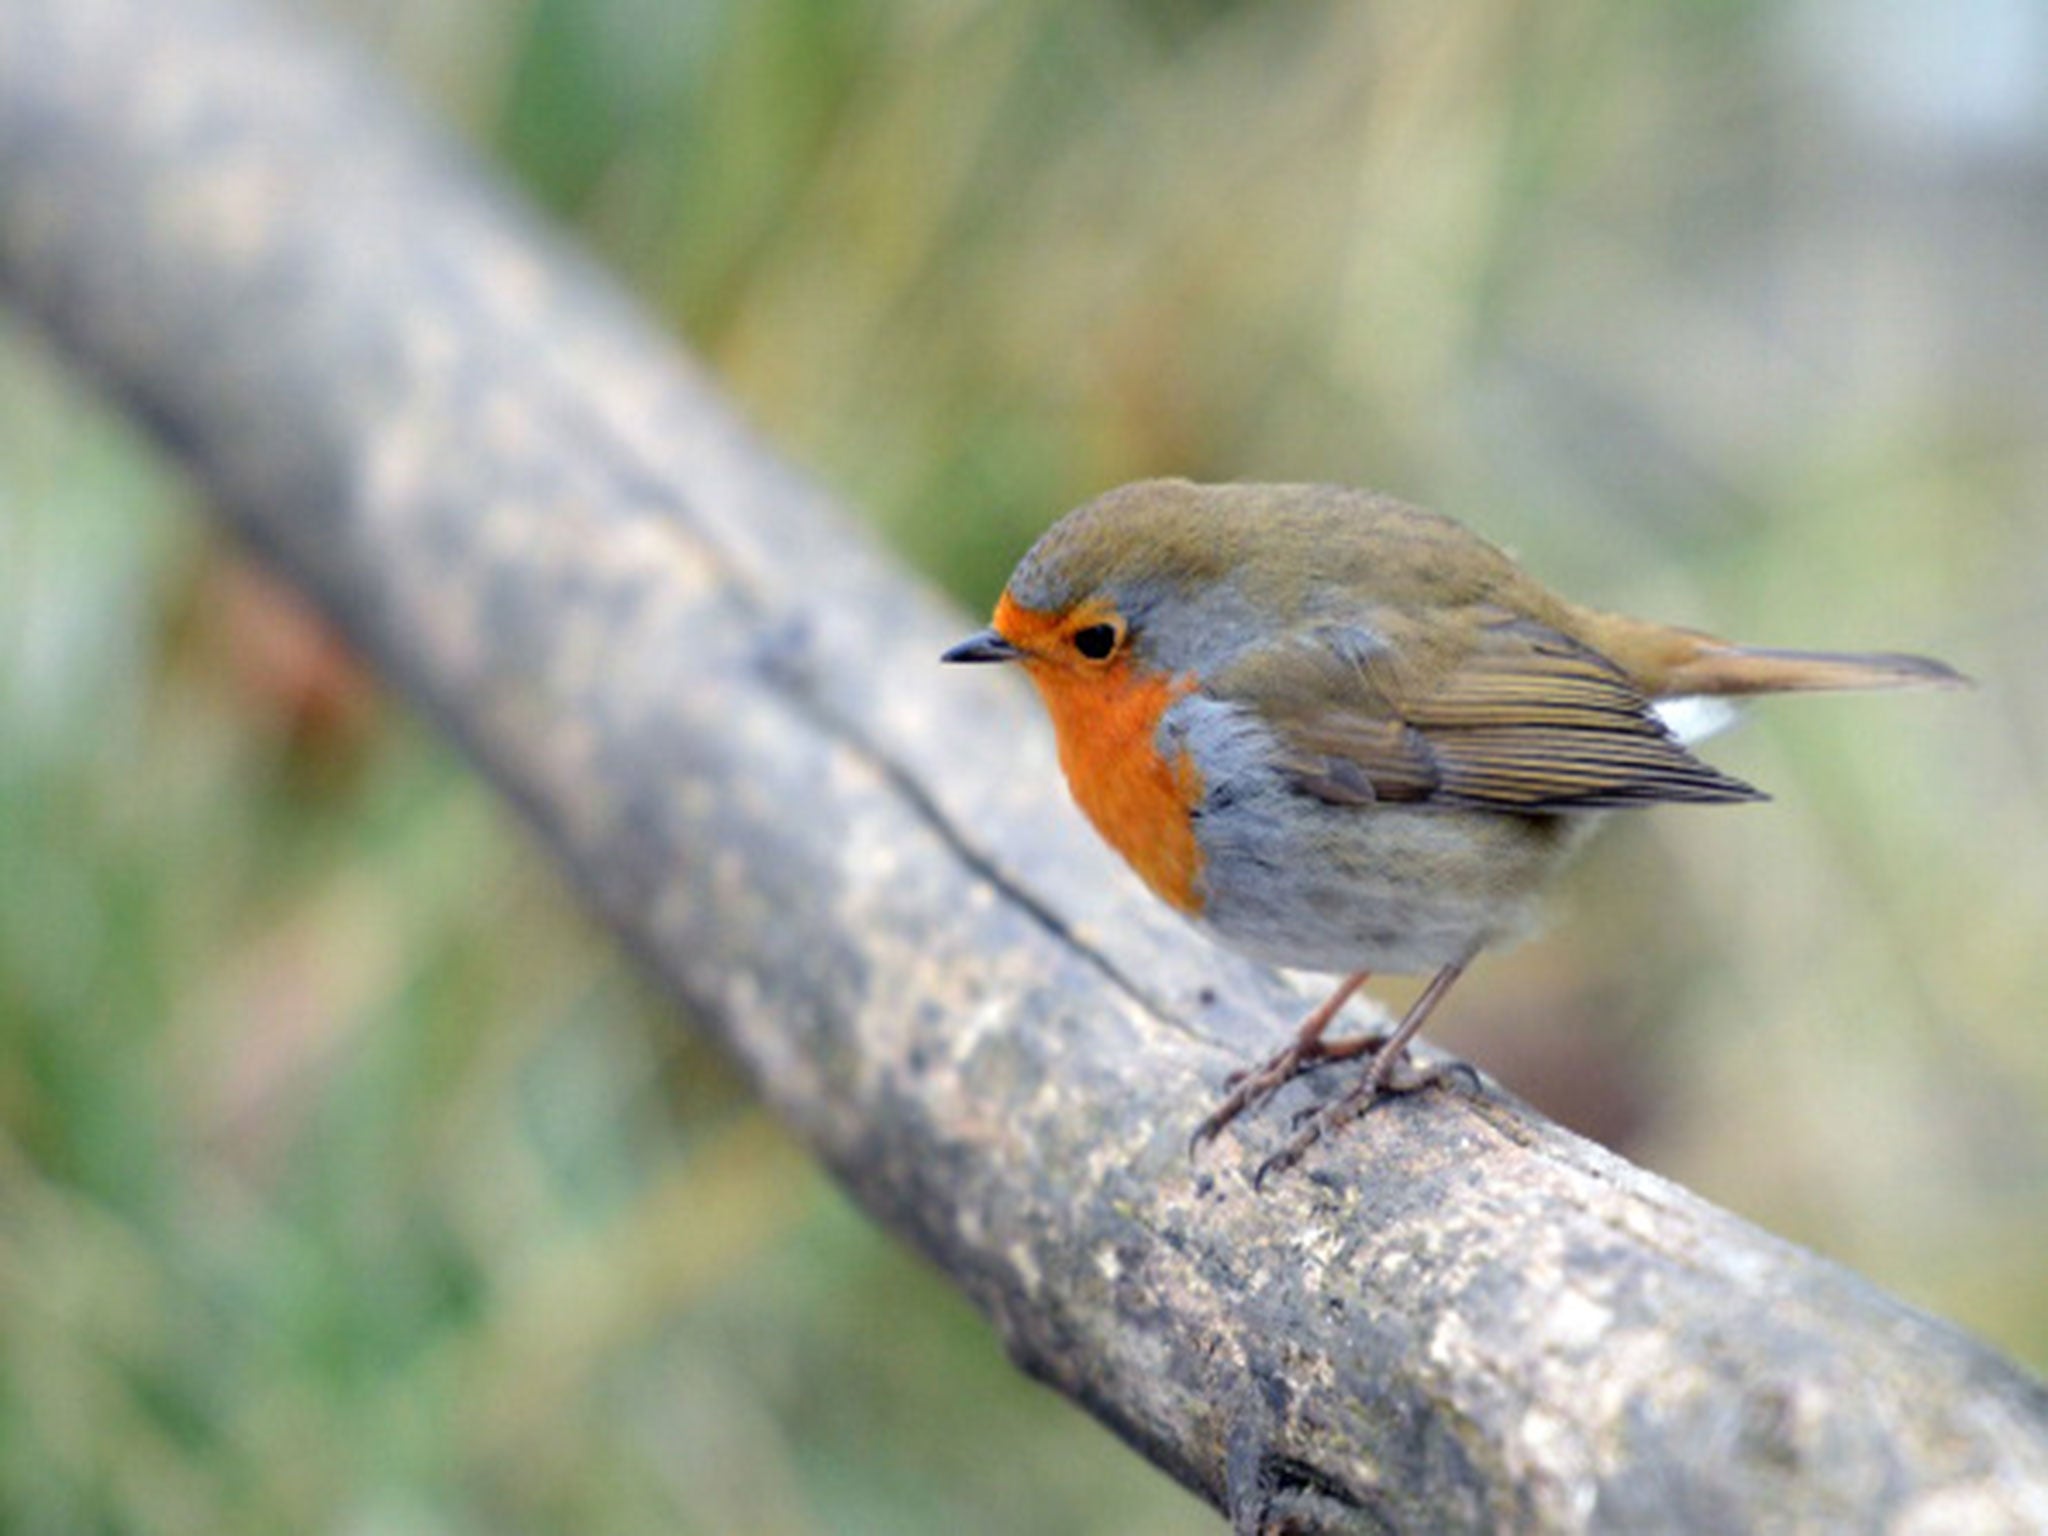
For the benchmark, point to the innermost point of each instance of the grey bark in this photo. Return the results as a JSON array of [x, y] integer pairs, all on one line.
[[721, 707]]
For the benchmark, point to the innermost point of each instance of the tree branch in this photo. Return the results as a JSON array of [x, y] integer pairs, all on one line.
[[722, 708]]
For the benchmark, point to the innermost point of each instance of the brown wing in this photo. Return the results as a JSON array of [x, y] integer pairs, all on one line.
[[1510, 714]]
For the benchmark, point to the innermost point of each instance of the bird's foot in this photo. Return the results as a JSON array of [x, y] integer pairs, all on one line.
[[1249, 1087], [1391, 1074]]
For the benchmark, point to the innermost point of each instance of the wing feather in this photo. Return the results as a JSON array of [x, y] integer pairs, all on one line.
[[1512, 715]]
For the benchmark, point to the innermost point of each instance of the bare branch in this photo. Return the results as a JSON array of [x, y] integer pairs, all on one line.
[[723, 710]]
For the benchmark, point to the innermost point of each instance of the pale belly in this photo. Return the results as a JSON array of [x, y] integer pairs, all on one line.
[[1345, 889], [1297, 882]]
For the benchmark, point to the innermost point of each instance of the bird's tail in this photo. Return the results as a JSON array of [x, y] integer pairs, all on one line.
[[1716, 668], [1684, 663]]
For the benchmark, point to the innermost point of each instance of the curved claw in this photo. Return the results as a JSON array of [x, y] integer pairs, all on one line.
[[1287, 1156], [1246, 1090], [1325, 1121], [1467, 1076]]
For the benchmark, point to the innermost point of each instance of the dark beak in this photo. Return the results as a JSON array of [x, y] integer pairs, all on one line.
[[986, 646]]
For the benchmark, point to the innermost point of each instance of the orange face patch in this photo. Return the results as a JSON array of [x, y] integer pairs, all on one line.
[[1105, 716]]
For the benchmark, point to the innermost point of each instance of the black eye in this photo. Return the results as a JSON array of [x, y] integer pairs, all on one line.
[[1096, 641]]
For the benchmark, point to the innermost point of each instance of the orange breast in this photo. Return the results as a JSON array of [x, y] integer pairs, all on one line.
[[1106, 721]]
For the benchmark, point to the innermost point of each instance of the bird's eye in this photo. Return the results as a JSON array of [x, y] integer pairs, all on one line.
[[1096, 641]]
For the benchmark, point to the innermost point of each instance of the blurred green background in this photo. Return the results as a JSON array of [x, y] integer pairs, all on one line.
[[348, 1179]]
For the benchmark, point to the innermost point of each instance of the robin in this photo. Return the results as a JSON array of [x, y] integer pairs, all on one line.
[[1343, 734]]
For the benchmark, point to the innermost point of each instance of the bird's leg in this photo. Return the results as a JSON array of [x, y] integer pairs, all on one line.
[[1387, 1073], [1254, 1085]]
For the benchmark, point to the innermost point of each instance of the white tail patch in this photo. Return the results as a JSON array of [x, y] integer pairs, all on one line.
[[1695, 717]]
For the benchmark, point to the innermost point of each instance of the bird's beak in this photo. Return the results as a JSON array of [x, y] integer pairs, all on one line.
[[986, 646]]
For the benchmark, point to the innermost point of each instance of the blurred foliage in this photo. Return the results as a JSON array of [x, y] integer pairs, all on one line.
[[346, 1180]]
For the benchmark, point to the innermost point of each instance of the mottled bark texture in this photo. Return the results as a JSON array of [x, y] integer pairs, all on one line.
[[723, 710]]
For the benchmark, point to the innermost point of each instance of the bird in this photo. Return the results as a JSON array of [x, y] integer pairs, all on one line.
[[1343, 734]]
